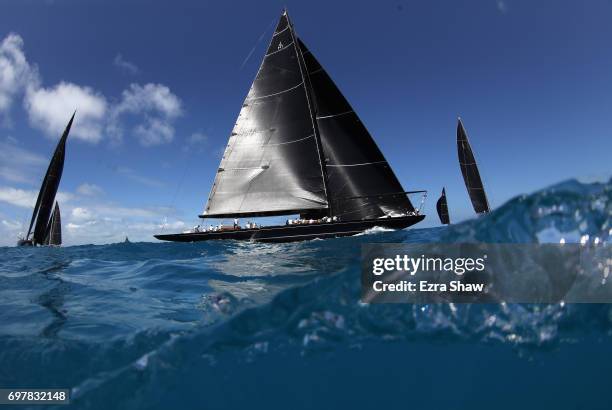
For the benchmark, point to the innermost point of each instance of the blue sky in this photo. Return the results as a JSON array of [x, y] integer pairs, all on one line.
[[159, 84]]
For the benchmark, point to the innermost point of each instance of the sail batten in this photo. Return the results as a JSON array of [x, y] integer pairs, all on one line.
[[469, 170]]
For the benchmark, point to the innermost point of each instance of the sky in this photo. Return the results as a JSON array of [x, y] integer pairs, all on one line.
[[158, 84]]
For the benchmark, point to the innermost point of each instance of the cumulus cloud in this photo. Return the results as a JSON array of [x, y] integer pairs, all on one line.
[[155, 104], [49, 109], [125, 65], [149, 110], [81, 214], [89, 190], [18, 164], [108, 222], [27, 198], [18, 197], [89, 220], [16, 74]]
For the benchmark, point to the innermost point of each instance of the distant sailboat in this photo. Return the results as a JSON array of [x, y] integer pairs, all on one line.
[[442, 208], [41, 221], [298, 147], [126, 240], [470, 172]]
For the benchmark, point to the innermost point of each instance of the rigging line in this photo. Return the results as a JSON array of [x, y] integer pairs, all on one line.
[[256, 44], [356, 165], [176, 192]]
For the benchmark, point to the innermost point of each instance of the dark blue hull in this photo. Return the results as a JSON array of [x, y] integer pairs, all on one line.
[[291, 233]]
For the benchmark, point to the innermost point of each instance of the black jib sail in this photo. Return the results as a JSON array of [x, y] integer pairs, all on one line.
[[442, 208], [298, 147], [469, 169], [54, 228], [48, 190], [361, 184]]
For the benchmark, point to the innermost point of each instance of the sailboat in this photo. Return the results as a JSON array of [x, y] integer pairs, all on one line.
[[442, 208], [298, 148], [46, 219], [470, 172]]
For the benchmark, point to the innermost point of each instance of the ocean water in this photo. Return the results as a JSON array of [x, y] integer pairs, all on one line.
[[223, 325]]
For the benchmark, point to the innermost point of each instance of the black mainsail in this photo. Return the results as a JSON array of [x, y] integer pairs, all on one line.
[[470, 172], [442, 208], [298, 147], [48, 190], [54, 228], [271, 165]]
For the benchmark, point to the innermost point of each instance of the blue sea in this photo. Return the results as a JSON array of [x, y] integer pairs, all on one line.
[[231, 325]]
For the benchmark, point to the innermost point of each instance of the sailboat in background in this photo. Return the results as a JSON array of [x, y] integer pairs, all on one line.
[[46, 223], [442, 208], [299, 148], [470, 172]]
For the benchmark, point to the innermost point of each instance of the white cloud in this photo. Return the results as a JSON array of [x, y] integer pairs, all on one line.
[[108, 222], [49, 109], [10, 231], [89, 190], [27, 198], [16, 74], [195, 142], [85, 221], [125, 65], [18, 164], [158, 107], [154, 131], [150, 98], [129, 173], [197, 138], [502, 6], [151, 108], [18, 197], [81, 214]]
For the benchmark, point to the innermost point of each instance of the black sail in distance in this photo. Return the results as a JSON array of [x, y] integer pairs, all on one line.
[[48, 190], [271, 165], [469, 169], [54, 228], [361, 183], [442, 208]]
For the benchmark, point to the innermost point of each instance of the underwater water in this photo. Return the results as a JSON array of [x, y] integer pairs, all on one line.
[[219, 325]]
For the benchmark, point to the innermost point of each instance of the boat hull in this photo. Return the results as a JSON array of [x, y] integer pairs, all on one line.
[[292, 233]]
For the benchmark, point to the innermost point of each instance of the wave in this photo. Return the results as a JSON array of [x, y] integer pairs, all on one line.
[[326, 315], [261, 307]]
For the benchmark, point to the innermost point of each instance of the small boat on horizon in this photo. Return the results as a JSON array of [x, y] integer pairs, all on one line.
[[46, 219], [299, 148]]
